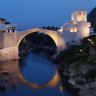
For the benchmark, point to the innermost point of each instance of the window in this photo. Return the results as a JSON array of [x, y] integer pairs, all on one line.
[[79, 13], [82, 18]]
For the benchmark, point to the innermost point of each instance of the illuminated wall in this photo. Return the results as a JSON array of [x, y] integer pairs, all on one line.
[[77, 28], [78, 16], [9, 53], [83, 29]]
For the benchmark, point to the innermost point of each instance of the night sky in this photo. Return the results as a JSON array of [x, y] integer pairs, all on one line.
[[37, 13]]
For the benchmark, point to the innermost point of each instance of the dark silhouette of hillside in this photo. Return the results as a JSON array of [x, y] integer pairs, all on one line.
[[92, 17]]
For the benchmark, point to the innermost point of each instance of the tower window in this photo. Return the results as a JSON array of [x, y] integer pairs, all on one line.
[[79, 13], [82, 18]]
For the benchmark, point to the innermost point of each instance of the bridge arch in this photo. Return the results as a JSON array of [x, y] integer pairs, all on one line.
[[59, 41]]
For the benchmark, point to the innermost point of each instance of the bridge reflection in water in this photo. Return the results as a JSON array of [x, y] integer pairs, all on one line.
[[11, 77], [10, 73]]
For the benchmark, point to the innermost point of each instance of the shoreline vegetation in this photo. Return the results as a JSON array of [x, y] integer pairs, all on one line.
[[76, 65]]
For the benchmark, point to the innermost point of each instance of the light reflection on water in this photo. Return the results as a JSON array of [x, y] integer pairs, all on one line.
[[36, 72]]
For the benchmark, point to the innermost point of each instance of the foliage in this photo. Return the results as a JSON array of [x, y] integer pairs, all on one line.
[[51, 28], [73, 54], [94, 29], [37, 42], [92, 17], [90, 75], [4, 21], [92, 62], [78, 54]]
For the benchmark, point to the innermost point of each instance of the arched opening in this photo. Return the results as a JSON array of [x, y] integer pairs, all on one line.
[[37, 42], [40, 41]]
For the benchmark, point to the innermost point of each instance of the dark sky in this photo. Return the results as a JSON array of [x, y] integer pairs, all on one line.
[[37, 13]]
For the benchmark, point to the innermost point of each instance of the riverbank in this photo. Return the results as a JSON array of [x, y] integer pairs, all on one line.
[[78, 81], [73, 78], [78, 65]]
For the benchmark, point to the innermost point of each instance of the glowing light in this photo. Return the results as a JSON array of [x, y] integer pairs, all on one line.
[[92, 43], [81, 50], [61, 88], [89, 40], [75, 29], [71, 30]]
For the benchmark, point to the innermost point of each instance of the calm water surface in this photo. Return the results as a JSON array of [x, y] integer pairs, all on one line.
[[33, 76]]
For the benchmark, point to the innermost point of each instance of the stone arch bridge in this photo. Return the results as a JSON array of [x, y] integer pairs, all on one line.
[[9, 42]]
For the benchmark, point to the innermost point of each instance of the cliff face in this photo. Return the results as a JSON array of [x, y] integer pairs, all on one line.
[[92, 17]]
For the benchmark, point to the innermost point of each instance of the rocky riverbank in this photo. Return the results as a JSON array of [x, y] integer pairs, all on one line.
[[78, 65], [81, 80]]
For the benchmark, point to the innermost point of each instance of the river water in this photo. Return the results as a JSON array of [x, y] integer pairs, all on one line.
[[34, 75]]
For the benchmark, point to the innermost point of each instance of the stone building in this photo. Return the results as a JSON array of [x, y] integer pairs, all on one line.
[[77, 28]]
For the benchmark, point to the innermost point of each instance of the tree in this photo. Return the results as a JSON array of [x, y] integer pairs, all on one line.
[[94, 29], [7, 23], [48, 27], [44, 27], [2, 20]]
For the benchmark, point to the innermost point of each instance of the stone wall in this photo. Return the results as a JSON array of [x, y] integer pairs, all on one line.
[[9, 39], [10, 53], [83, 29], [1, 39]]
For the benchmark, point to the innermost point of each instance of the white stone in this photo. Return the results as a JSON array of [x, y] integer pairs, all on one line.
[[77, 28]]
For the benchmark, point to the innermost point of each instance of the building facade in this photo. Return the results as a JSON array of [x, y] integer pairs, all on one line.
[[77, 28]]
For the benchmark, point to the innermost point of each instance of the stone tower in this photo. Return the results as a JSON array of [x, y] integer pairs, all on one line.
[[7, 43], [83, 27], [79, 16], [77, 28]]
